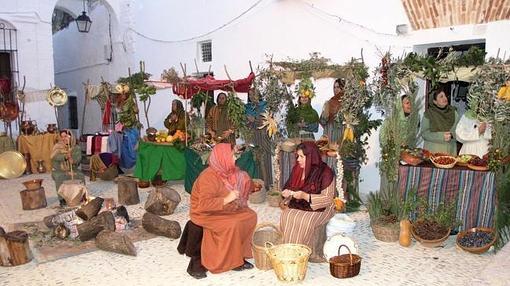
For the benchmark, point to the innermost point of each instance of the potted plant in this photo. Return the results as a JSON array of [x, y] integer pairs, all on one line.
[[433, 225], [383, 210]]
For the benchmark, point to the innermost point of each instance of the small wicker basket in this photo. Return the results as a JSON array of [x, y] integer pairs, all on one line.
[[289, 260], [386, 233], [345, 265], [261, 235]]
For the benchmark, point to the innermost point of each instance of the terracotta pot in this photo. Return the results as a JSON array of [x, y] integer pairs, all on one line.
[[33, 184], [9, 111], [51, 128], [27, 127]]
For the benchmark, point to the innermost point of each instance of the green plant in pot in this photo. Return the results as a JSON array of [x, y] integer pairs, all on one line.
[[433, 225], [384, 211]]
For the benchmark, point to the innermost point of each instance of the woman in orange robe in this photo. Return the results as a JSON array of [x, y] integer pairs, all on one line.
[[219, 205]]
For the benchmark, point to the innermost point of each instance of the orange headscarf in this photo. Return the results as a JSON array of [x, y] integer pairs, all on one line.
[[222, 162]]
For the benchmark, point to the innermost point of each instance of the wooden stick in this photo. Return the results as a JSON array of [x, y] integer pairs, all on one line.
[[84, 106], [251, 68], [183, 67]]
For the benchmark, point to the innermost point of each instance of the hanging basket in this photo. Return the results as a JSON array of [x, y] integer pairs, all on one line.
[[345, 265], [264, 232]]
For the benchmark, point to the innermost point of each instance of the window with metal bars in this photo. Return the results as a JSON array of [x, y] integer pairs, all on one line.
[[205, 49]]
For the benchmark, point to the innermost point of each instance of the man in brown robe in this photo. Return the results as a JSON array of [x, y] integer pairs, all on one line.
[[217, 122], [219, 205]]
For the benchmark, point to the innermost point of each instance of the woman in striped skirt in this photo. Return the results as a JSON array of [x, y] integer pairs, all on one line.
[[310, 191]]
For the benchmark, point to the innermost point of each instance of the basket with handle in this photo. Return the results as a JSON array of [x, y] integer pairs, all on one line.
[[264, 232], [345, 265], [289, 260]]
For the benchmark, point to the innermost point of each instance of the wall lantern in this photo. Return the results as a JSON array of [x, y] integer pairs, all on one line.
[[83, 21]]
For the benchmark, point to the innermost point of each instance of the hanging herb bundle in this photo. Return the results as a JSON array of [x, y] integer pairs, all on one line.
[[138, 86], [128, 112], [237, 115]]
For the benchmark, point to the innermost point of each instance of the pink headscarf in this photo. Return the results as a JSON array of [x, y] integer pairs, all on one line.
[[222, 162]]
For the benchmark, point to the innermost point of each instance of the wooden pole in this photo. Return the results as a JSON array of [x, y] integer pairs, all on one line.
[[183, 67], [84, 106]]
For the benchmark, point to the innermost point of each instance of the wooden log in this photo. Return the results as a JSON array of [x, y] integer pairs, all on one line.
[[127, 190], [90, 210], [5, 256], [160, 226], [19, 249], [91, 228], [162, 201], [115, 242], [56, 219], [318, 239], [33, 199]]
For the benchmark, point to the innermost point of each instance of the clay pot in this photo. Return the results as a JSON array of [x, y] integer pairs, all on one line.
[[33, 184], [27, 127], [51, 128], [40, 166]]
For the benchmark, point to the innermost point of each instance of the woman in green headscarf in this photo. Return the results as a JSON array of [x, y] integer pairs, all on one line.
[[438, 125], [175, 120], [305, 120]]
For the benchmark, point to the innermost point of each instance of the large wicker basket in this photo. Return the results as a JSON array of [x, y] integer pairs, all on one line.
[[345, 265], [264, 232], [289, 260], [386, 233]]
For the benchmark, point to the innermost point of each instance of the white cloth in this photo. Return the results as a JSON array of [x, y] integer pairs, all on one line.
[[467, 133], [89, 145], [104, 144]]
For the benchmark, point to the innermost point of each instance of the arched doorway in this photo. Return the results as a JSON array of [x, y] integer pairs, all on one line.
[[85, 57]]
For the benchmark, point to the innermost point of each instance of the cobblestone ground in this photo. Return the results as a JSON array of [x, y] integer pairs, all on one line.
[[158, 262]]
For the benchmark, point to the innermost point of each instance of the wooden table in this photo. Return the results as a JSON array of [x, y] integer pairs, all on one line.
[[474, 191], [39, 147]]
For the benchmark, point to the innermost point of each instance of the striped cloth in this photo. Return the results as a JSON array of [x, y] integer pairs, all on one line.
[[475, 191], [298, 226]]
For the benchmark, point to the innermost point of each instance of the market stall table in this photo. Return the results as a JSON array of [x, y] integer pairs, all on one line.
[[153, 157], [39, 147], [196, 163], [474, 191]]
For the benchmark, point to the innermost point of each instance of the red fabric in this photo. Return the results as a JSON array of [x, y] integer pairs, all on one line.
[[96, 144], [191, 87], [222, 162], [5, 87], [318, 176], [107, 112]]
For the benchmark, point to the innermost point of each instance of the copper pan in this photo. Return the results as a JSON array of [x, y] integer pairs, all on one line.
[[12, 164], [8, 111]]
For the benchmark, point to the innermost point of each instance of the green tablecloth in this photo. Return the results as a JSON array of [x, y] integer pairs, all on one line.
[[194, 166], [152, 157]]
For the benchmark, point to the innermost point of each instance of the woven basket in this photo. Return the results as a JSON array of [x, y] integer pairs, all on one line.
[[449, 166], [386, 233], [289, 260], [259, 196], [274, 200], [345, 265], [260, 237]]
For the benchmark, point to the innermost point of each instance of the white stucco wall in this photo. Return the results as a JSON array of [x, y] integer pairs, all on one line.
[[166, 33]]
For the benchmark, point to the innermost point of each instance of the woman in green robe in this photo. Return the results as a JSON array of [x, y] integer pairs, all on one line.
[[65, 159], [438, 125], [176, 119], [305, 120]]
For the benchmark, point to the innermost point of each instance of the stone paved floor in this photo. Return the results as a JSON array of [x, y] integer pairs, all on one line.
[[158, 262]]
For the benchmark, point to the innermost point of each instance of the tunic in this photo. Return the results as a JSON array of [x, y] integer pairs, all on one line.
[[434, 141], [473, 143], [227, 231]]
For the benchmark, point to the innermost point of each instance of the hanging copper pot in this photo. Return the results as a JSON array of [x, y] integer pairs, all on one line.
[[8, 111], [51, 128], [28, 127]]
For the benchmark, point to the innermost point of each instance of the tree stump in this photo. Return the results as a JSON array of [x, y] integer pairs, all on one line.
[[160, 226], [91, 228], [19, 249], [90, 210], [127, 190], [33, 199], [115, 242], [5, 256], [318, 240], [162, 201]]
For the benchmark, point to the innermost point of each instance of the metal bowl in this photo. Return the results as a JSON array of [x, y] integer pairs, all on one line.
[[12, 164]]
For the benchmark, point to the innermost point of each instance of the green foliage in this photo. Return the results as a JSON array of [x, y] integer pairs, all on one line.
[[390, 205], [128, 112], [362, 131], [443, 214], [503, 210], [237, 115]]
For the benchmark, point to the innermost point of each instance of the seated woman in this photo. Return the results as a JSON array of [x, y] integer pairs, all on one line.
[[311, 189], [175, 120], [65, 159], [438, 125], [219, 205], [473, 134], [104, 166]]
